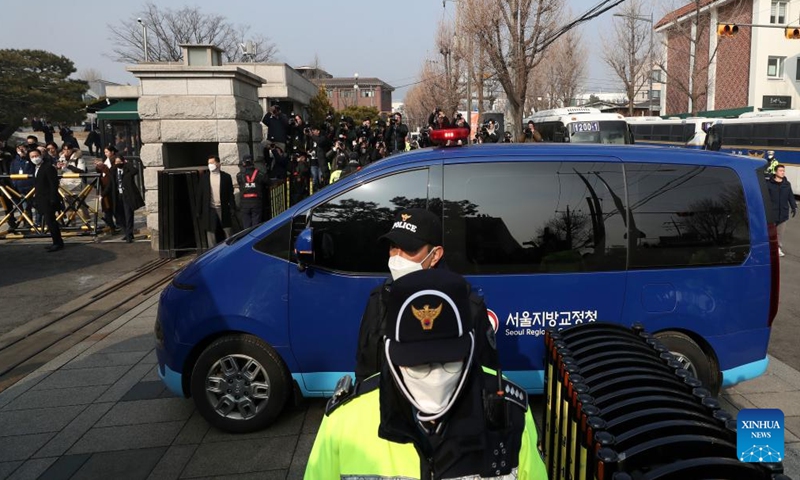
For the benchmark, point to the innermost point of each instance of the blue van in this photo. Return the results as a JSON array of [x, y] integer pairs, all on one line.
[[551, 236]]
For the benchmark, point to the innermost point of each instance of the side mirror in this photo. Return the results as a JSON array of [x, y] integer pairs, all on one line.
[[304, 248]]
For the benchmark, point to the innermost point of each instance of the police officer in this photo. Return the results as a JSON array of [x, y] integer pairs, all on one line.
[[253, 186], [415, 243], [433, 411]]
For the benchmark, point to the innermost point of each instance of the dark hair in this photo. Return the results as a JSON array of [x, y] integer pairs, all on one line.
[[214, 157], [34, 138], [111, 148], [780, 165], [52, 144]]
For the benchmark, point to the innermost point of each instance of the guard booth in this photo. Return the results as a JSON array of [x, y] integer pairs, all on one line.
[[120, 126]]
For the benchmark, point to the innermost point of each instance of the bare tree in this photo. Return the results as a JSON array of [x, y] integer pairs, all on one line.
[[448, 81], [426, 95], [167, 29], [511, 32], [557, 80], [686, 30], [627, 50], [89, 74]]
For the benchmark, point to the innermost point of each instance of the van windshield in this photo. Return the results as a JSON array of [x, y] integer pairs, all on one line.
[[599, 131]]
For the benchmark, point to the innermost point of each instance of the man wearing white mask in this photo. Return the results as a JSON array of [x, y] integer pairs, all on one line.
[[415, 243], [46, 198], [433, 411], [215, 204]]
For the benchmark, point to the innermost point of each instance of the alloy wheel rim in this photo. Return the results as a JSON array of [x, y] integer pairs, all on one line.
[[686, 364], [237, 387]]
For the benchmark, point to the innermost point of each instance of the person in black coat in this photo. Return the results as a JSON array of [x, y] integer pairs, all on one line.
[[782, 200], [254, 189], [215, 204], [277, 126], [125, 196], [46, 198]]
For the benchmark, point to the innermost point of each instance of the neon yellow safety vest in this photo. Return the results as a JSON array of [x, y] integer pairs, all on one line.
[[348, 447]]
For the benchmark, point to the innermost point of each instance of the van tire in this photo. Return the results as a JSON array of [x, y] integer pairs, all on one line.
[[704, 364], [233, 353]]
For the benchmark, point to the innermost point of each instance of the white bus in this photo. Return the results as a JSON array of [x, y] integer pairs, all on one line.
[[756, 133], [580, 125], [672, 132]]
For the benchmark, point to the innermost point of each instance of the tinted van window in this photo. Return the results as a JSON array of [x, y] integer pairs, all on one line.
[[534, 217], [684, 215], [347, 227]]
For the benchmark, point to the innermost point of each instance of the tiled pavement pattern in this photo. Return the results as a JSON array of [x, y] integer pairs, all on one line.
[[99, 411]]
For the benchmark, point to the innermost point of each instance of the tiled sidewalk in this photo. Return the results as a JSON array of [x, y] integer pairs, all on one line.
[[100, 411]]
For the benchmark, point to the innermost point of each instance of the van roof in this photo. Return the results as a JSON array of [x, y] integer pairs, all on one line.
[[567, 152]]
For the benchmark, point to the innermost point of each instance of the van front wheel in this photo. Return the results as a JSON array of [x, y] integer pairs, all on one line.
[[693, 358], [239, 384]]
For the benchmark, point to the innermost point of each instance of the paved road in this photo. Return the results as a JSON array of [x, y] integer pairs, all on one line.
[[786, 329], [33, 282]]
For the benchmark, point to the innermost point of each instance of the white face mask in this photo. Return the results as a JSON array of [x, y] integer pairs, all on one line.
[[36, 160], [432, 385], [401, 266], [212, 167]]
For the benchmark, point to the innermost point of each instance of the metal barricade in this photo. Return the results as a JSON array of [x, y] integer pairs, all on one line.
[[278, 197], [77, 216], [618, 405]]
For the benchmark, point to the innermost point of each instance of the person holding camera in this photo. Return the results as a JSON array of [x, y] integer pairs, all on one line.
[[278, 163], [438, 120], [396, 134], [461, 122], [298, 131], [489, 132], [365, 131], [530, 133], [277, 126]]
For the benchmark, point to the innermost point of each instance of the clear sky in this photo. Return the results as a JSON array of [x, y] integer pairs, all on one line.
[[388, 40]]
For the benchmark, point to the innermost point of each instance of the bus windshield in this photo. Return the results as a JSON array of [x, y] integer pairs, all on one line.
[[599, 131]]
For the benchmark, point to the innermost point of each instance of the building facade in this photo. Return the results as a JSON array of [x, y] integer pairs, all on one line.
[[757, 67], [346, 92]]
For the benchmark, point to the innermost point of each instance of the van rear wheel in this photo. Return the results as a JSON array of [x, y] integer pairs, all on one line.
[[693, 358], [239, 384]]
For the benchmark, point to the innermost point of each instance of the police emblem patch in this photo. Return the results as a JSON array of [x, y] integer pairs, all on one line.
[[426, 315], [405, 216]]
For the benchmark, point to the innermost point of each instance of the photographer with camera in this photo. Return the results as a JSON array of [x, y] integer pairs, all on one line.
[[461, 122], [318, 147], [277, 126], [278, 164], [438, 120], [530, 133], [488, 133], [337, 156], [396, 133], [365, 131], [298, 130]]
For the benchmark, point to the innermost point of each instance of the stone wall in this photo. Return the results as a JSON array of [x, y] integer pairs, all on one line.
[[183, 105]]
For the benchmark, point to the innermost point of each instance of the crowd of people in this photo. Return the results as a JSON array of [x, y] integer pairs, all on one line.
[[30, 160]]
